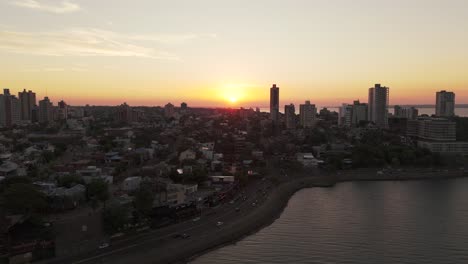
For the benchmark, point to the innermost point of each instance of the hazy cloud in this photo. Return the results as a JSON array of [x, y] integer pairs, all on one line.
[[54, 69], [57, 7], [173, 39], [78, 42]]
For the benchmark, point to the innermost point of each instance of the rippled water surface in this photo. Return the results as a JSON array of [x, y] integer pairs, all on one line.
[[362, 222]]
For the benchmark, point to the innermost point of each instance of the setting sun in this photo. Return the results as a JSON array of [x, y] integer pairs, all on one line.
[[233, 99]]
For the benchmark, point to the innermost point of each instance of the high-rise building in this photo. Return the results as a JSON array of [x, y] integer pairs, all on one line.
[[183, 108], [359, 113], [274, 103], [124, 113], [62, 111], [352, 115], [433, 129], [410, 113], [307, 113], [290, 116], [46, 109], [378, 105], [28, 101], [9, 109], [342, 113], [169, 110], [445, 103]]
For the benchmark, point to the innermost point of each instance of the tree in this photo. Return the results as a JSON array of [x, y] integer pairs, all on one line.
[[242, 177], [14, 180], [144, 198], [199, 174], [48, 156], [24, 198], [69, 180], [98, 191], [115, 218]]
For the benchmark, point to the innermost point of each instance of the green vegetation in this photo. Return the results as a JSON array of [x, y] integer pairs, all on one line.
[[144, 198], [69, 181], [115, 217], [23, 198], [376, 149], [98, 191]]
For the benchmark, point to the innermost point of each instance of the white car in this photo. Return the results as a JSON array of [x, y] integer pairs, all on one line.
[[196, 219], [103, 245], [219, 224]]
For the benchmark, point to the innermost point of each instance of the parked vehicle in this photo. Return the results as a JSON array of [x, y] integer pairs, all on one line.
[[103, 245]]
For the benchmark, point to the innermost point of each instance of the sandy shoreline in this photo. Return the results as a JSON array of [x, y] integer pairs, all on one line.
[[272, 208]]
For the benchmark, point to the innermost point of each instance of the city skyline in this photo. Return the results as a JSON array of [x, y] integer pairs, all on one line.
[[264, 105], [77, 51]]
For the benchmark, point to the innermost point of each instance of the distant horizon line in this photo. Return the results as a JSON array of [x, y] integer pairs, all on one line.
[[463, 105]]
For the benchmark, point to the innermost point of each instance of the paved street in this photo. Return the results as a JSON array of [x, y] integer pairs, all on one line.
[[164, 237]]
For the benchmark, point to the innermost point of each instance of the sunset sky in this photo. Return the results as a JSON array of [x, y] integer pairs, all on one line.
[[229, 53]]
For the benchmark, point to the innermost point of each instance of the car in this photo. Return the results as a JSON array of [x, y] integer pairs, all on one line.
[[237, 209], [196, 219], [184, 236], [219, 224], [103, 245], [254, 204], [231, 202]]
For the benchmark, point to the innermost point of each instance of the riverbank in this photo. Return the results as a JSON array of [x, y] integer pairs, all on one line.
[[261, 217]]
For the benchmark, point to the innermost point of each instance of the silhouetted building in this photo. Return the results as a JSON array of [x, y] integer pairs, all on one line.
[[378, 105], [307, 114], [274, 103], [46, 113], [410, 113], [27, 102], [342, 114], [124, 113], [445, 104], [169, 110], [432, 129], [353, 115], [10, 111], [290, 116], [62, 110], [359, 113]]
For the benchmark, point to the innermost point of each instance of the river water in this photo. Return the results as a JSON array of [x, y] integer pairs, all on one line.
[[362, 222]]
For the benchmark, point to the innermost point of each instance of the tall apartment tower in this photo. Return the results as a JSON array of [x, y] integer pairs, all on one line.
[[445, 103], [27, 102], [290, 116], [274, 103], [46, 110], [307, 113], [359, 113], [124, 113], [62, 111], [378, 105], [9, 109], [169, 110]]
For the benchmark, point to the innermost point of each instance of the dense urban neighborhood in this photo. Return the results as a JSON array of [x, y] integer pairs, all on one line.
[[74, 180]]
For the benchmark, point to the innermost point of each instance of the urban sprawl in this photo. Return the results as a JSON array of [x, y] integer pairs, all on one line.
[[75, 181]]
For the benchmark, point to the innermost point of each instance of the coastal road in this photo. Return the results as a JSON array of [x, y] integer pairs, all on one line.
[[129, 249]]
